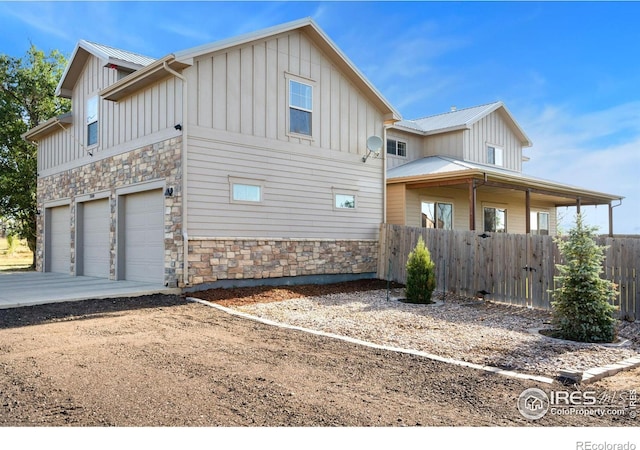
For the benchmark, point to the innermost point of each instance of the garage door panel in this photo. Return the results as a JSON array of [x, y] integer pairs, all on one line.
[[96, 246], [59, 244], [144, 236]]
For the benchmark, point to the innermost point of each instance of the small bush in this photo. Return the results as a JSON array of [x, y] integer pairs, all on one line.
[[581, 308], [421, 280]]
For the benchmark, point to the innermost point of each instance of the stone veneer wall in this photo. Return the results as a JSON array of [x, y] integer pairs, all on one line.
[[159, 161], [213, 259]]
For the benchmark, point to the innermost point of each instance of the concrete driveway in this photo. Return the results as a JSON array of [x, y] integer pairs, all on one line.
[[37, 288]]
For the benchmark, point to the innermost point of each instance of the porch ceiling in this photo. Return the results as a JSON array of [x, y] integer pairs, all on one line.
[[489, 185]]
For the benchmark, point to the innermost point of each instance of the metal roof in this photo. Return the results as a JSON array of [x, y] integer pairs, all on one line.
[[457, 118], [116, 53], [439, 167], [442, 164], [108, 55], [461, 119]]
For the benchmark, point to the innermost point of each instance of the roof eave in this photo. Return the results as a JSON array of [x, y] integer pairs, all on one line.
[[141, 78], [47, 127], [556, 188]]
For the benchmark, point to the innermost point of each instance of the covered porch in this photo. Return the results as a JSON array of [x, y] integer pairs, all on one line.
[[472, 181]]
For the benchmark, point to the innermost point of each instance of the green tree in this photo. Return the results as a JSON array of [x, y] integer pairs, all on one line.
[[421, 279], [581, 308], [27, 98]]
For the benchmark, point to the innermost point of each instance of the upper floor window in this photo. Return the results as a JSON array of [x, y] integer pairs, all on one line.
[[495, 220], [92, 120], [495, 155], [437, 215], [300, 107], [539, 223], [397, 148]]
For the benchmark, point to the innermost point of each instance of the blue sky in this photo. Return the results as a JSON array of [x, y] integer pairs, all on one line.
[[569, 72]]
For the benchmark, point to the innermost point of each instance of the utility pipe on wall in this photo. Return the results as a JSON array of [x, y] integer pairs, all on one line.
[[184, 161]]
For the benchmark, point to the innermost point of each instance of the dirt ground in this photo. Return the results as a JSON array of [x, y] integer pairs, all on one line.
[[165, 361]]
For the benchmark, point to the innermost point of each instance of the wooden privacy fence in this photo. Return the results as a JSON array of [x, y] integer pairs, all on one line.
[[517, 269]]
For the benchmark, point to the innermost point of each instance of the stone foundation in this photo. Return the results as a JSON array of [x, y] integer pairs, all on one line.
[[157, 162], [214, 259]]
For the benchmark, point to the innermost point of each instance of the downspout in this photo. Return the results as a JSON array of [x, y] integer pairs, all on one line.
[[384, 174], [183, 162], [611, 216]]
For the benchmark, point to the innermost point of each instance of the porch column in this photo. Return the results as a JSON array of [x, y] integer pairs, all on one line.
[[527, 217], [472, 205], [578, 203]]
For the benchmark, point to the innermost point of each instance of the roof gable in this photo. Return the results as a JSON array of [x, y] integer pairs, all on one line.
[[185, 58], [109, 56], [461, 119], [320, 39]]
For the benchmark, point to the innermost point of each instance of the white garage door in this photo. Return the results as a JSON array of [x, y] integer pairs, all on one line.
[[144, 237], [59, 241], [96, 219]]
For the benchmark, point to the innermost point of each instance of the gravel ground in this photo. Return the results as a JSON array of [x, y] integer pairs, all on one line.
[[475, 331]]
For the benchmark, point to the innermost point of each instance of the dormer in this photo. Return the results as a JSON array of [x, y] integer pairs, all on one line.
[[485, 134], [123, 62]]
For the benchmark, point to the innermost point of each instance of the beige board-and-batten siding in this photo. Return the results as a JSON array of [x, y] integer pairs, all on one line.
[[140, 119], [215, 259], [244, 90], [514, 268], [238, 129]]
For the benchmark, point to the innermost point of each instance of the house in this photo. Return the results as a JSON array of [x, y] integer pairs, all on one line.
[[243, 159], [259, 157], [463, 170]]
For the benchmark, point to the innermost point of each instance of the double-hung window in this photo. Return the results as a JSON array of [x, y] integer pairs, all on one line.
[[92, 120], [495, 155], [495, 220], [300, 107], [397, 148], [437, 215]]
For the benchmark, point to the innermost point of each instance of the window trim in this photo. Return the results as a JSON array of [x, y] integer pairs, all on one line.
[[347, 192], [395, 150], [497, 150], [537, 213], [88, 122], [307, 82], [435, 202], [238, 181], [496, 207]]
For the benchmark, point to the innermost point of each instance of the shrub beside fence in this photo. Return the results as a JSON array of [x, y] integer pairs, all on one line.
[[514, 268]]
